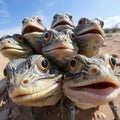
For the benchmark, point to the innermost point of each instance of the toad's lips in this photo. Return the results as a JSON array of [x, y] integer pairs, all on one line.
[[61, 23], [101, 87], [22, 95], [92, 31], [8, 48], [14, 49], [29, 29], [39, 94], [59, 49]]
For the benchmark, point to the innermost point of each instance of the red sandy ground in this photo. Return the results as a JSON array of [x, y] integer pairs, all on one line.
[[111, 46]]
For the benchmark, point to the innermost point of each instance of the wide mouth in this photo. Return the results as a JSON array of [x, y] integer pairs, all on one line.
[[11, 48], [92, 31], [61, 23], [59, 47], [5, 48], [22, 98], [103, 88], [30, 29], [59, 51], [22, 95]]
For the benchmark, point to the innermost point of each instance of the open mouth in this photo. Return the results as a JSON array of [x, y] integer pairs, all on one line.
[[61, 23], [103, 88], [30, 29], [93, 31]]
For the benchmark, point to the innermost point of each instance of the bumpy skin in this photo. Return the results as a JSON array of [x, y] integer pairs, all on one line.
[[90, 82], [33, 81], [59, 45], [14, 47], [61, 22], [32, 31], [89, 36]]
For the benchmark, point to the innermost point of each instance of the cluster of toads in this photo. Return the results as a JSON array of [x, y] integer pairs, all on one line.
[[60, 65]]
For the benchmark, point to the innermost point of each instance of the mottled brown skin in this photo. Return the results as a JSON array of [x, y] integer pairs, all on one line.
[[89, 35], [14, 47], [32, 31], [61, 22]]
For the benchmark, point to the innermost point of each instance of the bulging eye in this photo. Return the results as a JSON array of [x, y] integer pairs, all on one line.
[[47, 36], [72, 36], [25, 20], [43, 64], [81, 22], [102, 23], [5, 72], [113, 62], [73, 65], [18, 38], [39, 21]]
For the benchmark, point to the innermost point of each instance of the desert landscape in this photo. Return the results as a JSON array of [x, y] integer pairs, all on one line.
[[111, 46]]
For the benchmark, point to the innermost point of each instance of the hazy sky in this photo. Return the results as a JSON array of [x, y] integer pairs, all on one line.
[[12, 12]]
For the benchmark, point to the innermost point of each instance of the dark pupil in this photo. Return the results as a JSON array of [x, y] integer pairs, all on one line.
[[73, 63], [46, 35], [72, 35], [5, 72], [80, 22], [113, 61], [44, 63]]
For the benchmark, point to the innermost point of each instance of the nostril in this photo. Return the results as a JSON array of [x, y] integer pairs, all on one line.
[[92, 23], [93, 70], [25, 82], [8, 41], [65, 40]]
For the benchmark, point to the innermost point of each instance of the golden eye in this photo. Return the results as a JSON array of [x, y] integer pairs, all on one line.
[[47, 36], [112, 62], [73, 65], [72, 35], [81, 22], [43, 64]]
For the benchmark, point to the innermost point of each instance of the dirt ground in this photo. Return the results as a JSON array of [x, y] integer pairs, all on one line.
[[111, 46]]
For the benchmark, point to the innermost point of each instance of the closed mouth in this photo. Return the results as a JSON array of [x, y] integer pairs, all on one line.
[[10, 48], [59, 48]]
